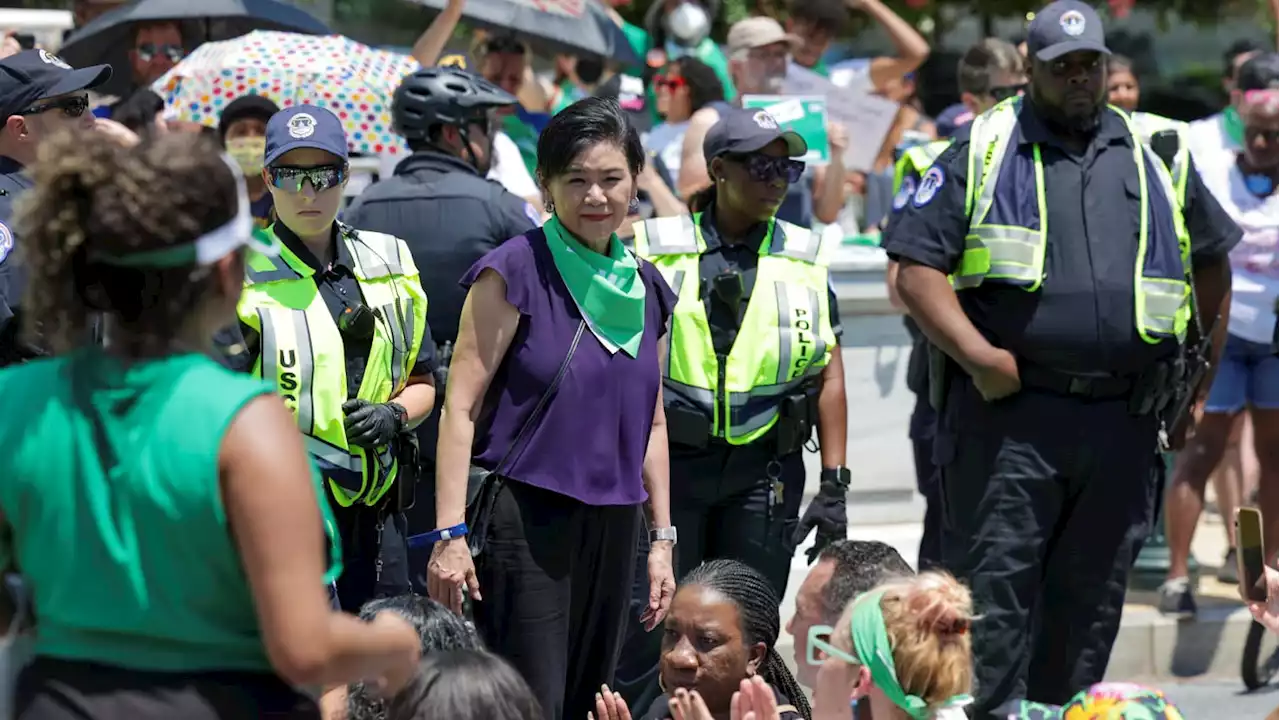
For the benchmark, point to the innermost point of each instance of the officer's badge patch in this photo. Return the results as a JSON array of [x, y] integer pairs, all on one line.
[[52, 59], [302, 125], [6, 241], [904, 193], [765, 120], [930, 183], [532, 213], [1072, 23]]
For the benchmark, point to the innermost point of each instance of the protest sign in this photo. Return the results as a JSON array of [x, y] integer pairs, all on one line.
[[807, 116]]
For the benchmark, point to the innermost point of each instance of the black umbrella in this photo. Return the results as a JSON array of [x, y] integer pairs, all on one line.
[[109, 38], [580, 27]]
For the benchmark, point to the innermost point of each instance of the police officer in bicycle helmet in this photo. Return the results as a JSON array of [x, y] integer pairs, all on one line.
[[438, 200], [449, 215]]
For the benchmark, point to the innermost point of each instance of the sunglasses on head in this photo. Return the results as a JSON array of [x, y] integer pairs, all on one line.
[[1004, 92], [767, 168], [504, 46], [72, 107], [147, 51], [321, 177]]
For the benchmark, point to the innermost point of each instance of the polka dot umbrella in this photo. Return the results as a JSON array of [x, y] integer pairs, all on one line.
[[353, 80]]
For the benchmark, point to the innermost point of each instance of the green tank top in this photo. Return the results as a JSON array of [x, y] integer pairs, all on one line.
[[111, 487]]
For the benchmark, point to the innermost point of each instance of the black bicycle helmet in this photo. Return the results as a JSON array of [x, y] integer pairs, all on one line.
[[443, 96]]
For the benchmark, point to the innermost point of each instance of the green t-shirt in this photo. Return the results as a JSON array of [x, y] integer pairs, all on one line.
[[111, 487]]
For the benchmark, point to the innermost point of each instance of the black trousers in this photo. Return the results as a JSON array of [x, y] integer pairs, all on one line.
[[720, 506], [375, 554], [923, 430], [555, 577], [50, 689], [1047, 500]]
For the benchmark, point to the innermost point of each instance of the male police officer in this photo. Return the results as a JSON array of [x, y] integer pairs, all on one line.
[[447, 212], [989, 72], [1071, 248], [39, 95]]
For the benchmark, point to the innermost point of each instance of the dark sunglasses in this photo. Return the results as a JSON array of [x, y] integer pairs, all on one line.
[[1004, 92], [321, 178], [147, 51], [767, 168], [72, 107]]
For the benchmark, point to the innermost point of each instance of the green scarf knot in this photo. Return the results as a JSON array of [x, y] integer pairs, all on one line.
[[607, 289], [871, 645]]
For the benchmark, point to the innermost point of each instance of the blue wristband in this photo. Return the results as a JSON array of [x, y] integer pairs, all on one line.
[[435, 536]]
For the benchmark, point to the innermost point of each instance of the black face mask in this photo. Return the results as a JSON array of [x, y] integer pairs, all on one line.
[[589, 69]]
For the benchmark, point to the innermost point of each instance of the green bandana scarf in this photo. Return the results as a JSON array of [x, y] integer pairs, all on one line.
[[609, 291], [1233, 125], [871, 645]]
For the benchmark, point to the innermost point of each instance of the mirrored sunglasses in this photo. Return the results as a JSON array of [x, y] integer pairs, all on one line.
[[1004, 92], [322, 178], [767, 168], [147, 51], [73, 106]]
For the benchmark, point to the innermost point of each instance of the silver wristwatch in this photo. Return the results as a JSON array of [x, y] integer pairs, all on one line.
[[666, 533]]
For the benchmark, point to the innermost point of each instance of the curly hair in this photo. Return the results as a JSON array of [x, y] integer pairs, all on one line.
[[93, 196], [757, 604]]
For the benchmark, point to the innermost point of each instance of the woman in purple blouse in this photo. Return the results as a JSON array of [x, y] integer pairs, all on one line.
[[560, 519]]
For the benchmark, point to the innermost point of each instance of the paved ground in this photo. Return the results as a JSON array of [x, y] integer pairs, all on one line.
[[1217, 695]]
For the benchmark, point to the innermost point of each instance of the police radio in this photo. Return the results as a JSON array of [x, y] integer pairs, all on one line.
[[358, 321]]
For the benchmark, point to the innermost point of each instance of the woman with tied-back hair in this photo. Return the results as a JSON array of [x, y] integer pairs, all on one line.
[[722, 629], [160, 508], [904, 645]]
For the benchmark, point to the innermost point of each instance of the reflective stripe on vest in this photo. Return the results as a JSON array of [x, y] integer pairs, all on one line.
[[785, 339], [302, 351], [1007, 239]]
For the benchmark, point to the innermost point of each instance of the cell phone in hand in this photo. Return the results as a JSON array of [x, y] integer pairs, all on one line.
[[1249, 554]]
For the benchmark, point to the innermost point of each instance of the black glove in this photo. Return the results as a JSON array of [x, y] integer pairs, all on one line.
[[826, 513], [372, 424]]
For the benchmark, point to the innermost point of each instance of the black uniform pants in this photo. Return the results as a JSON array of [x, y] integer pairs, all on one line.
[[720, 505], [555, 577], [1047, 502], [375, 554], [923, 422]]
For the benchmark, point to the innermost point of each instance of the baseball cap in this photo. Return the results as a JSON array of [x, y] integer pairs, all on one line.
[[251, 106], [34, 75], [304, 126], [741, 130], [755, 32], [1260, 72], [1063, 27]]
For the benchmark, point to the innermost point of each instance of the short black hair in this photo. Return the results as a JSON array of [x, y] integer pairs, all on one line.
[[860, 565], [1260, 72], [978, 67], [704, 84], [466, 685], [831, 13], [439, 630], [138, 111], [586, 123], [1240, 47]]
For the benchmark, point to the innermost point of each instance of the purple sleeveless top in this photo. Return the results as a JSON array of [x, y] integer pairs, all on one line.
[[590, 441]]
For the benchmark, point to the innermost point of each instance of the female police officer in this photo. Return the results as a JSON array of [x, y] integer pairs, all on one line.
[[337, 322], [753, 367]]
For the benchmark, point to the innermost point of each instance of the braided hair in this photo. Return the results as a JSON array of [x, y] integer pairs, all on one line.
[[757, 604]]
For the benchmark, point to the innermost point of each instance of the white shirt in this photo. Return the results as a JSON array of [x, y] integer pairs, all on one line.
[[1208, 141], [508, 168], [1255, 262]]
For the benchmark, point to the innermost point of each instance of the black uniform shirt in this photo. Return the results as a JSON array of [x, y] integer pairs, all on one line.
[[13, 277], [340, 290], [1082, 318], [450, 217], [742, 258]]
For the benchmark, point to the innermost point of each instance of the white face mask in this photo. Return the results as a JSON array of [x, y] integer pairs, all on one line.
[[689, 24]]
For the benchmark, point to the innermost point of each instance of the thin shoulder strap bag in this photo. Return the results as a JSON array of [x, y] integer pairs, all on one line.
[[483, 485]]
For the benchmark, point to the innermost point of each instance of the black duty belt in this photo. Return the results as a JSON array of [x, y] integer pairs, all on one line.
[[1093, 387]]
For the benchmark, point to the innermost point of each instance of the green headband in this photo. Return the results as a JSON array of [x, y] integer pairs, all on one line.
[[871, 645]]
